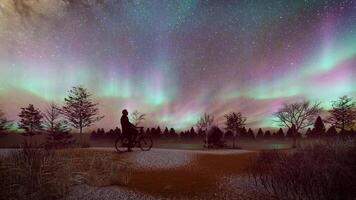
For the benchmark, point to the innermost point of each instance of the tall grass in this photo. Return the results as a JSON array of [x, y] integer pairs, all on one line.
[[40, 174], [323, 170]]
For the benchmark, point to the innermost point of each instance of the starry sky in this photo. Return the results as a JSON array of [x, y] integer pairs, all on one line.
[[177, 59]]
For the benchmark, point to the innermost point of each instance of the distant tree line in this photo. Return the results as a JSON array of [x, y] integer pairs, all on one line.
[[80, 111]]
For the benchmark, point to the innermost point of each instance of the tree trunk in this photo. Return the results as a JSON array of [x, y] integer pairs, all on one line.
[[207, 138]]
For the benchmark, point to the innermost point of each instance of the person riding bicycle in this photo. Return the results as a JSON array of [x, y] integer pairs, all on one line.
[[129, 130]]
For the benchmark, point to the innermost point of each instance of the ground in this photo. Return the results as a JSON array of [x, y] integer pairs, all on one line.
[[176, 174]]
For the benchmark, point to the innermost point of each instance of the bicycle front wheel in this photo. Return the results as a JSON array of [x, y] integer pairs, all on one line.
[[121, 144], [146, 143]]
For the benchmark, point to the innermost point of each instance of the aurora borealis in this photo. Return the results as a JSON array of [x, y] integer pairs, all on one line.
[[175, 60]]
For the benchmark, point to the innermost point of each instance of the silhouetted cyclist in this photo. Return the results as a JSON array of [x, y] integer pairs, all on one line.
[[129, 130]]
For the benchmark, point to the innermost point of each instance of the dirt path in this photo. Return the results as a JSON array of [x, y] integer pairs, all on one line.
[[187, 174]]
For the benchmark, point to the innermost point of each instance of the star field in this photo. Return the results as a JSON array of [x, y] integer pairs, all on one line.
[[175, 60]]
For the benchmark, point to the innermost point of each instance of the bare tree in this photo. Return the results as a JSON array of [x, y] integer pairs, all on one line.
[[5, 124], [298, 115], [137, 117], [235, 122], [80, 110], [56, 127], [31, 121], [343, 113], [204, 123]]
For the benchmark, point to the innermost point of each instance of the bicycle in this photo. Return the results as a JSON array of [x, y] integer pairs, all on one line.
[[142, 140]]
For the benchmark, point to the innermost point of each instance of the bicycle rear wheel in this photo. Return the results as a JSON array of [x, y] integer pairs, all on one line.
[[121, 144], [145, 143]]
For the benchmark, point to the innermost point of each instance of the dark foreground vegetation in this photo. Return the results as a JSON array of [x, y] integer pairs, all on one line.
[[323, 170], [317, 169], [37, 173]]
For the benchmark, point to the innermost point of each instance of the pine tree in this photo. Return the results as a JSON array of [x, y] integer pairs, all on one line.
[[243, 132], [80, 110], [280, 133], [319, 127], [250, 133], [267, 134], [117, 132], [158, 132], [192, 133], [31, 121], [291, 132], [166, 132], [172, 133], [332, 132], [153, 132], [309, 133], [259, 133], [148, 131], [93, 135]]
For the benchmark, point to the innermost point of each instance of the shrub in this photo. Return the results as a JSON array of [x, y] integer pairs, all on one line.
[[34, 173], [319, 171]]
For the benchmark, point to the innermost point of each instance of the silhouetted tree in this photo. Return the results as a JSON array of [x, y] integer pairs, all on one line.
[[200, 132], [234, 122], [80, 110], [250, 133], [153, 132], [267, 134], [229, 134], [158, 131], [297, 115], [204, 123], [192, 133], [30, 121], [343, 114], [291, 133], [137, 117], [172, 133], [57, 130], [280, 133], [331, 132], [243, 132], [259, 133], [319, 127], [166, 132], [309, 133], [215, 137], [148, 131], [5, 124], [93, 135], [117, 132], [98, 133]]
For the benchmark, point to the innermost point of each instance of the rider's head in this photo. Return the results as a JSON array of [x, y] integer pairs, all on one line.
[[124, 112]]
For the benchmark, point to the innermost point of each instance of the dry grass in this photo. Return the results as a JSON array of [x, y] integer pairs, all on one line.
[[40, 174], [324, 169]]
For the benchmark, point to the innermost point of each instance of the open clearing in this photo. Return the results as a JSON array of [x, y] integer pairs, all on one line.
[[176, 174]]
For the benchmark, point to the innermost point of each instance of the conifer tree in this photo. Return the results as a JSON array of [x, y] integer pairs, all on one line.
[[80, 110], [30, 121]]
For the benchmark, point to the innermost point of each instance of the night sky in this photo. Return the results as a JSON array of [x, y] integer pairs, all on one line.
[[175, 60]]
